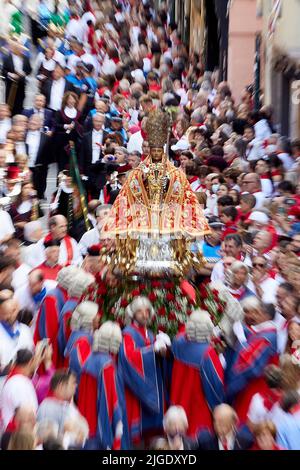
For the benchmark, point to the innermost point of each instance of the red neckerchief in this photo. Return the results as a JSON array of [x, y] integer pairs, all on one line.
[[237, 293], [143, 134], [15, 371], [116, 60], [12, 425], [264, 177], [126, 94], [106, 196], [231, 161], [240, 257], [69, 247], [155, 87], [271, 397], [285, 325], [295, 409], [193, 179], [143, 332]]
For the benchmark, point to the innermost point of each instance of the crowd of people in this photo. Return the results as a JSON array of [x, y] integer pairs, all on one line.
[[68, 381]]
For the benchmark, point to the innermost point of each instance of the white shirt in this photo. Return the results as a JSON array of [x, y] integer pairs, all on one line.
[[266, 187], [24, 207], [5, 126], [135, 143], [70, 112], [262, 130], [25, 299], [108, 67], [17, 391], [269, 287], [40, 113], [255, 150], [21, 148], [10, 346], [20, 276], [6, 225], [90, 238], [57, 93], [260, 200], [287, 161], [257, 411], [230, 442], [97, 138], [134, 34], [18, 63], [29, 255], [75, 28], [195, 185], [218, 272], [33, 140]]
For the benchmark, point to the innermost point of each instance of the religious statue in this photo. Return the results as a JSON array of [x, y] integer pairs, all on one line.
[[156, 214]]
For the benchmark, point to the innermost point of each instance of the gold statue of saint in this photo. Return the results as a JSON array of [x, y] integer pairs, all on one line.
[[156, 202]]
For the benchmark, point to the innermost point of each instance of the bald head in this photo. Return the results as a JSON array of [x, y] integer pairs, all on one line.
[[58, 226], [251, 183], [36, 281]]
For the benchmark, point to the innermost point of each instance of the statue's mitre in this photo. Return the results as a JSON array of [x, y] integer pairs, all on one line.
[[157, 128]]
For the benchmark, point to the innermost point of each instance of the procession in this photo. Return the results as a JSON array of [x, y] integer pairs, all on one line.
[[149, 231]]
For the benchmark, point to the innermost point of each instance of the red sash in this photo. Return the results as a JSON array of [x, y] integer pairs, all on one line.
[[69, 248]]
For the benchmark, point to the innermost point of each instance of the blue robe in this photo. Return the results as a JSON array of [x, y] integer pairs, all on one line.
[[143, 383], [64, 330], [101, 401], [246, 375], [198, 366], [75, 356]]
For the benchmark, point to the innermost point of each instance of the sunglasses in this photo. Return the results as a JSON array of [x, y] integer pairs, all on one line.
[[258, 265]]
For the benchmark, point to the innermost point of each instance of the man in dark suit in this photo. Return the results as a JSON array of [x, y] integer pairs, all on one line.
[[16, 67], [90, 157], [55, 88], [38, 147], [225, 435], [39, 108]]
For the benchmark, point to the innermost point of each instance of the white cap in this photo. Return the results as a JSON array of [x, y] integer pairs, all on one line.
[[182, 144], [138, 76], [259, 217]]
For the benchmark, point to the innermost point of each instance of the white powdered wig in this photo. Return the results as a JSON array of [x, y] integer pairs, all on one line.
[[236, 266], [137, 304], [199, 327], [80, 283], [66, 275], [83, 316], [251, 303], [108, 338], [175, 414]]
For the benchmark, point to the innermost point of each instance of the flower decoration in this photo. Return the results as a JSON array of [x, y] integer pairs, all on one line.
[[172, 301]]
